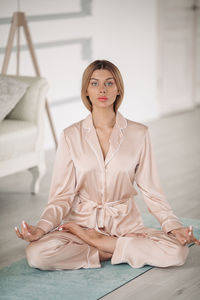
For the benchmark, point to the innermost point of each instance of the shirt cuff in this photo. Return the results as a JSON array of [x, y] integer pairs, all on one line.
[[169, 225], [45, 225]]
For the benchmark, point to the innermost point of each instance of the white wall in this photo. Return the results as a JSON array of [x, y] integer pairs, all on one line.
[[122, 31]]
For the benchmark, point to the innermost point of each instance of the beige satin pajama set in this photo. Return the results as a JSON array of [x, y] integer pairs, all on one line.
[[98, 193]]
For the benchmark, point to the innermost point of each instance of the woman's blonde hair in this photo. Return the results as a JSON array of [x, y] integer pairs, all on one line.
[[101, 65]]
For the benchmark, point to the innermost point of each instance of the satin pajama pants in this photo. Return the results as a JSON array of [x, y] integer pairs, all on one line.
[[62, 250]]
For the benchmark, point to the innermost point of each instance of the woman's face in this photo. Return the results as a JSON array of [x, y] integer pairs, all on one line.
[[102, 89]]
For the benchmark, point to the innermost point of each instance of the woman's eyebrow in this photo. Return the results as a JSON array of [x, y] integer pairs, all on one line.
[[98, 79]]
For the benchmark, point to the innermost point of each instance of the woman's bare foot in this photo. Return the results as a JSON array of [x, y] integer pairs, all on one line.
[[104, 255], [92, 237]]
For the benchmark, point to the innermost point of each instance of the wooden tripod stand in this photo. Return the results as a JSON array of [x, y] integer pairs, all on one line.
[[19, 20]]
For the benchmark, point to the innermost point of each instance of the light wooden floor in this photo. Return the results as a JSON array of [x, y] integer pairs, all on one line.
[[176, 144]]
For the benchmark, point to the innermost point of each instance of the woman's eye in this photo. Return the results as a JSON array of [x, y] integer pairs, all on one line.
[[109, 83], [94, 83]]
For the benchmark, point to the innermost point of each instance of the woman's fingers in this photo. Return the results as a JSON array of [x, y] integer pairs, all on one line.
[[60, 228], [18, 233], [193, 239], [182, 236], [24, 234], [24, 225], [22, 228], [27, 235], [185, 235], [190, 234], [190, 229], [30, 228], [188, 237], [66, 226]]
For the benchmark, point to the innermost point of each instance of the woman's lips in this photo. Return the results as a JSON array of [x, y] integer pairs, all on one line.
[[102, 98]]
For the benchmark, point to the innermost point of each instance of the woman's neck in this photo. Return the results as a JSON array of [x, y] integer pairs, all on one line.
[[103, 119]]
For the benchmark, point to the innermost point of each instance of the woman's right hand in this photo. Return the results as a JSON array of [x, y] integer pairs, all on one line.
[[29, 233]]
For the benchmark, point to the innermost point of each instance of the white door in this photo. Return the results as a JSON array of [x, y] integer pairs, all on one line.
[[178, 55]]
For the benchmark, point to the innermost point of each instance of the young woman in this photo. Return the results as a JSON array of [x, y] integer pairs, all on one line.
[[91, 214]]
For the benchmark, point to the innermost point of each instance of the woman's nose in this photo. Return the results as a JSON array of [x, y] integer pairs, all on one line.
[[102, 88]]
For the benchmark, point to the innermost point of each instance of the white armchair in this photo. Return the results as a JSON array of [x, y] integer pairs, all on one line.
[[22, 133]]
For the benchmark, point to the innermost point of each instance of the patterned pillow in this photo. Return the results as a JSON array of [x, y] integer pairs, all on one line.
[[11, 91]]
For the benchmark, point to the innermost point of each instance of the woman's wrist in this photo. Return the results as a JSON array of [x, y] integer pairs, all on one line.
[[174, 230], [40, 231]]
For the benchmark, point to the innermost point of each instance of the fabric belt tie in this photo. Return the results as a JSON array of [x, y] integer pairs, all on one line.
[[113, 209]]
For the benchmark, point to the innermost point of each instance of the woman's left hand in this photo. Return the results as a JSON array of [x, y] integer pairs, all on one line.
[[185, 235]]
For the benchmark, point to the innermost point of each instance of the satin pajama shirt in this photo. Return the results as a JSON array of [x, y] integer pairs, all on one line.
[[98, 193]]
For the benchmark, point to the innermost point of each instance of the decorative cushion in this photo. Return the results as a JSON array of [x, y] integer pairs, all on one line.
[[31, 105], [11, 91]]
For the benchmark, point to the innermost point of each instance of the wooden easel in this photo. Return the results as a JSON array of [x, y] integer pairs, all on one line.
[[19, 20]]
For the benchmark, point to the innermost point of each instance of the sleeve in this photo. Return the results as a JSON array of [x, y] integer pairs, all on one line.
[[62, 189], [148, 182]]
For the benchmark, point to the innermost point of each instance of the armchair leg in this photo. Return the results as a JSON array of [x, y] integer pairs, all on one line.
[[37, 174]]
